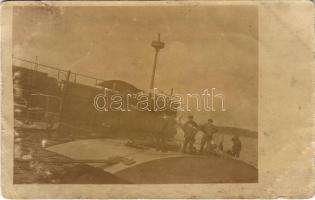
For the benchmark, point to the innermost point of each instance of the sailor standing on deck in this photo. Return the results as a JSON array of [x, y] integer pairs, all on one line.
[[237, 146], [190, 129], [208, 130]]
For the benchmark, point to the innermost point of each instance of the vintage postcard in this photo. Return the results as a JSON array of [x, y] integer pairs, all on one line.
[[185, 99]]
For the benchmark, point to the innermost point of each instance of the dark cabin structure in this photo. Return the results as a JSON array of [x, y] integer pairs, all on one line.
[[41, 98], [121, 86]]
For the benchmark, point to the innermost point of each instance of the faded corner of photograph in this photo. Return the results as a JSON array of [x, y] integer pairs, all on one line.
[[135, 94]]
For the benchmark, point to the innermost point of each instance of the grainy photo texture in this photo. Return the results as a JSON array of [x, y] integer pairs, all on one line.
[[115, 95]]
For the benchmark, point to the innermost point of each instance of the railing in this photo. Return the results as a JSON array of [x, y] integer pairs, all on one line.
[[67, 74]]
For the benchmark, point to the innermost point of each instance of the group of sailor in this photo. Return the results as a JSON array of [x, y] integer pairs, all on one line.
[[207, 144]]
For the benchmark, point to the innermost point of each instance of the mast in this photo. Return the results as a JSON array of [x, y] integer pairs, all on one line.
[[157, 45]]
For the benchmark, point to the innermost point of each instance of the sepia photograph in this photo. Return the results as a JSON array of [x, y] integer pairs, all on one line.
[[152, 96], [134, 95], [157, 99]]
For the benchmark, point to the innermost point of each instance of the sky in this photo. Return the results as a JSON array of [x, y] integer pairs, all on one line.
[[205, 47]]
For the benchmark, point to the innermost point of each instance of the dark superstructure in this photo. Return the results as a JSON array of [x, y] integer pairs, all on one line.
[[45, 102]]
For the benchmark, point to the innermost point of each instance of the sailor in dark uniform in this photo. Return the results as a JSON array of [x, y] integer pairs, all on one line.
[[208, 130], [237, 146], [190, 129]]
